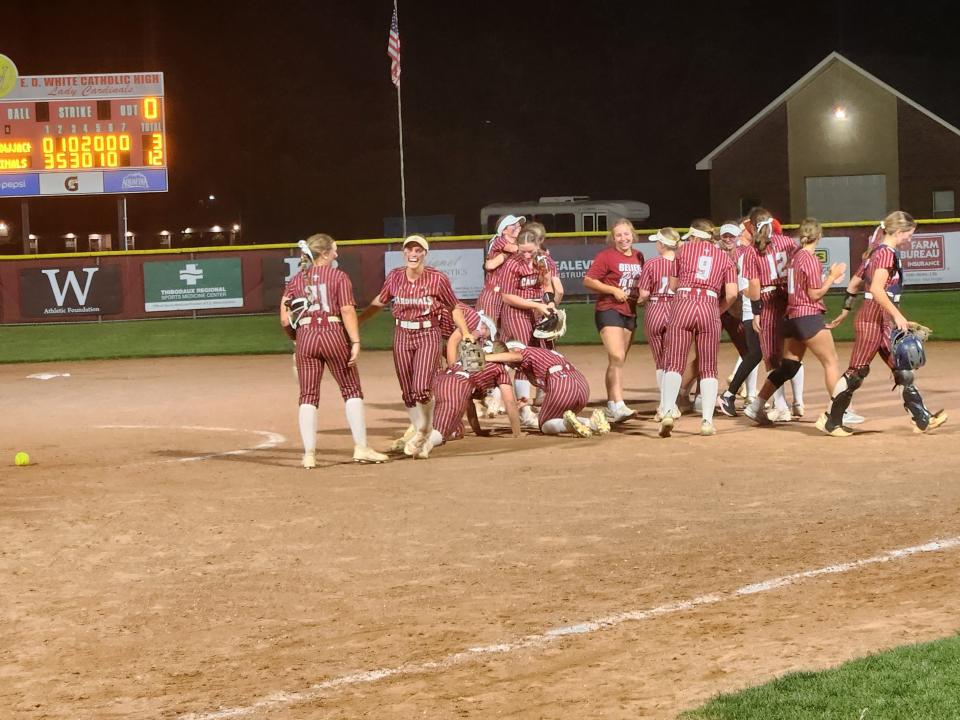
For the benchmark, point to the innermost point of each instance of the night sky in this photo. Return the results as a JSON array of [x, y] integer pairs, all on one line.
[[285, 110]]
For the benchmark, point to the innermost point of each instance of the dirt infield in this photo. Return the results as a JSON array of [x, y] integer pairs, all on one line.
[[144, 573]]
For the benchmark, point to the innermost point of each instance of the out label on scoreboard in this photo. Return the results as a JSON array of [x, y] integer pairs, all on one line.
[[83, 135]]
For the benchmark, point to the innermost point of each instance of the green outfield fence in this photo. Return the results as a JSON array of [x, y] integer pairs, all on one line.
[[249, 279]]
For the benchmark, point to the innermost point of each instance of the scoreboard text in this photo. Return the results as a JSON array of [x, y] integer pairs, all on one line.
[[83, 134]]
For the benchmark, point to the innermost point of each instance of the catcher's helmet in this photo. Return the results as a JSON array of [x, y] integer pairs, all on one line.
[[298, 307], [907, 349], [551, 326]]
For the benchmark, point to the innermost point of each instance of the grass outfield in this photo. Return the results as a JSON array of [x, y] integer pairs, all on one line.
[[919, 682], [261, 333]]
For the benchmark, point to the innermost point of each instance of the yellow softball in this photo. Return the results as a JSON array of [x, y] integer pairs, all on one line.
[[21, 458]]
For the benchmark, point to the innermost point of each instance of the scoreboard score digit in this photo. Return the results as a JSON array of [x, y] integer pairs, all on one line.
[[83, 135]]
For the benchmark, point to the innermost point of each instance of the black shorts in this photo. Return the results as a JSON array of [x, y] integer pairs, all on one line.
[[612, 318], [803, 328]]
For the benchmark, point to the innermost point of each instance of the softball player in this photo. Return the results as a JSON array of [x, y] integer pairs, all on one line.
[[746, 261], [416, 293], [614, 276], [479, 325], [565, 390], [653, 288], [327, 334], [882, 275], [774, 251], [804, 327], [526, 290], [453, 389], [700, 273]]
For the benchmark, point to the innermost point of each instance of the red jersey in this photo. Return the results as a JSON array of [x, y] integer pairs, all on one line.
[[612, 267], [521, 278], [447, 325], [773, 260], [326, 288], [538, 363], [886, 258], [803, 273], [655, 279], [491, 279], [420, 299], [702, 265]]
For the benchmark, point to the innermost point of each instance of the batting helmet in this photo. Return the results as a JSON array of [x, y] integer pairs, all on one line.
[[907, 349], [551, 326]]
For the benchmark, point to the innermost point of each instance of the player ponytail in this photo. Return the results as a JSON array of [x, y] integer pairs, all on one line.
[[313, 248], [810, 231], [761, 222]]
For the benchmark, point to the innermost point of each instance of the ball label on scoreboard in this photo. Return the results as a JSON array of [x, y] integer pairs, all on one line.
[[107, 132]]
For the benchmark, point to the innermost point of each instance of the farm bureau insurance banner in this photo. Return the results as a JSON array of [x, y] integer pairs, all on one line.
[[192, 285], [463, 267], [932, 258]]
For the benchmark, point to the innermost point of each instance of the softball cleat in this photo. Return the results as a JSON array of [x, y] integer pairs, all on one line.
[[666, 426], [400, 443], [598, 422], [851, 418], [619, 413], [424, 451], [707, 429], [935, 421], [309, 461], [758, 413], [415, 444], [658, 416], [675, 413], [822, 425], [798, 410], [364, 454], [575, 426]]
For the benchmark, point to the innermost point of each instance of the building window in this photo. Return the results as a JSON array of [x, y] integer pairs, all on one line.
[[565, 222], [746, 205], [944, 203]]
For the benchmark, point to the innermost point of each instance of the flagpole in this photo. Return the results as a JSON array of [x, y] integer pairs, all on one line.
[[403, 185]]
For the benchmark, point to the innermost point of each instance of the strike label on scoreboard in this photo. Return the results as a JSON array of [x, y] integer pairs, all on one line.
[[83, 135]]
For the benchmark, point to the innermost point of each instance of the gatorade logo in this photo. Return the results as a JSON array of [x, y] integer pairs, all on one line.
[[71, 183]]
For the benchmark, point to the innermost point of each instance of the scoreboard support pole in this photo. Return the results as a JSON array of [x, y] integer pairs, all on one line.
[[122, 222], [25, 226]]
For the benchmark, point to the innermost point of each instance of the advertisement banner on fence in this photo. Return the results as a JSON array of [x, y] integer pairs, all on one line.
[[66, 291], [192, 285], [573, 261], [278, 271], [931, 258], [832, 250], [463, 267]]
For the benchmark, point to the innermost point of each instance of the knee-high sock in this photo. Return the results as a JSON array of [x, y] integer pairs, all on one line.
[[670, 391], [780, 400], [415, 419], [736, 366], [308, 427], [353, 408], [752, 383], [660, 379], [553, 427], [708, 392], [796, 383], [426, 417]]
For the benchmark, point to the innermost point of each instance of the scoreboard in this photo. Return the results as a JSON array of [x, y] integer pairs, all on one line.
[[83, 135]]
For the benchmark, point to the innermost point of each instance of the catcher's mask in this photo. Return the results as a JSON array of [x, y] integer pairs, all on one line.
[[298, 307], [908, 353]]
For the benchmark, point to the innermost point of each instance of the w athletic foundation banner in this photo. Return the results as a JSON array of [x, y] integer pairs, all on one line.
[[192, 285], [60, 292]]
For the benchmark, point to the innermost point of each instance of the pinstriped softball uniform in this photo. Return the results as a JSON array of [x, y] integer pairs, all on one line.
[[772, 264], [452, 390], [655, 279], [564, 390], [447, 326], [695, 317], [322, 343], [522, 279], [804, 273], [416, 353], [873, 325], [490, 303]]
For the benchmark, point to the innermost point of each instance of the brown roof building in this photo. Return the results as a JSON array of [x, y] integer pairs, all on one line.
[[839, 144]]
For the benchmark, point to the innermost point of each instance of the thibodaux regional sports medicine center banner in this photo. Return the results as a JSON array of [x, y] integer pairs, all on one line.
[[192, 285]]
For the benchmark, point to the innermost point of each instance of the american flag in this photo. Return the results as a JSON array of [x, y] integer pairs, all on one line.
[[393, 48]]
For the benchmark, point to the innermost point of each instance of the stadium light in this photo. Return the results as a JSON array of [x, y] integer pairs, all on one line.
[[4, 229], [840, 112]]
